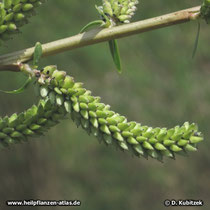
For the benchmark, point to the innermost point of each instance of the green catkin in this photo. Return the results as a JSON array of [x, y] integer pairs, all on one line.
[[14, 14], [110, 127], [115, 12], [61, 96], [33, 122]]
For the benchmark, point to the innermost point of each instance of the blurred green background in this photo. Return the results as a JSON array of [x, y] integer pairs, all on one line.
[[161, 85]]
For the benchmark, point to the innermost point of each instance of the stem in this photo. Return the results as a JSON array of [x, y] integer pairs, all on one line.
[[10, 67], [101, 35]]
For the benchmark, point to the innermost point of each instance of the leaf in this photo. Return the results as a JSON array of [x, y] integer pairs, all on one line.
[[21, 89], [91, 24], [115, 54], [196, 40], [37, 54]]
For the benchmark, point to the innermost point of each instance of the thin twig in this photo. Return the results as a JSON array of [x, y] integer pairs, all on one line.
[[10, 67], [101, 35]]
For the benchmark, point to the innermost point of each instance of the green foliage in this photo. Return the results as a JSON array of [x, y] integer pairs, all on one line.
[[115, 54], [21, 89], [92, 24], [37, 54]]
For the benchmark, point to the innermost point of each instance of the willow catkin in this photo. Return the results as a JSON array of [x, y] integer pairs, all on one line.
[[110, 127], [114, 12], [33, 122], [14, 14], [61, 95]]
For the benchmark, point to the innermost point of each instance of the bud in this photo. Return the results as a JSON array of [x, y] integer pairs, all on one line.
[[27, 7], [19, 17], [3, 28]]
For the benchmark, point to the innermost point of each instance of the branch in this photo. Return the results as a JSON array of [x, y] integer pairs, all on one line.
[[100, 35], [12, 67]]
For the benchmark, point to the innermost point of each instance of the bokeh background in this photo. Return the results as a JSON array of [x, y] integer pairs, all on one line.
[[161, 85]]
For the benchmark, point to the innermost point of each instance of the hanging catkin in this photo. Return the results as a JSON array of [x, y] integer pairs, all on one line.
[[61, 95]]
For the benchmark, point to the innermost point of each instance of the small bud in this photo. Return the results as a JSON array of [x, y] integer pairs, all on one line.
[[27, 7]]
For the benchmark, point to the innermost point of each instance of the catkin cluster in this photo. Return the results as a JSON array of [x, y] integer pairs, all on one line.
[[114, 12], [110, 127], [14, 14]]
